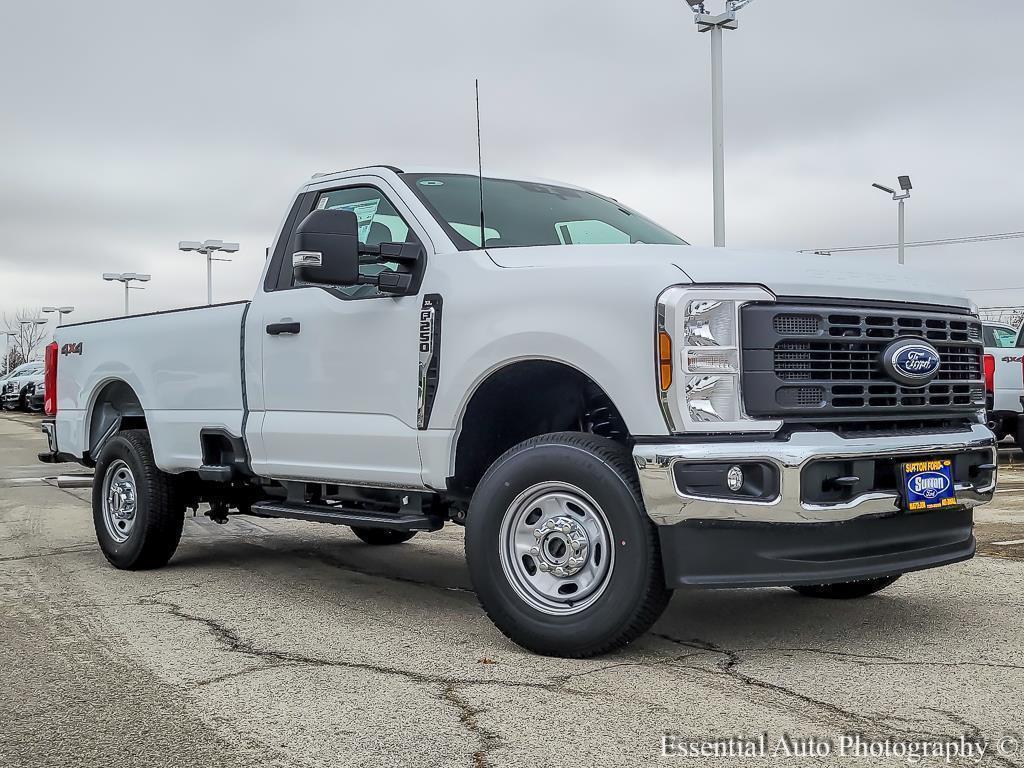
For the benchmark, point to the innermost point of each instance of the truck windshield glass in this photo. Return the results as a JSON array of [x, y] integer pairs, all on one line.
[[522, 213]]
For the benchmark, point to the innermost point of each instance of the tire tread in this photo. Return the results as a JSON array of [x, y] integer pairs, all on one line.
[[165, 509], [654, 598]]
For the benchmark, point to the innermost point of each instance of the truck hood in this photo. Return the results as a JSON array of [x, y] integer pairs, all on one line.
[[783, 273]]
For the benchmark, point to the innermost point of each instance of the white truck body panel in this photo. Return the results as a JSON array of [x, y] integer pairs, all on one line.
[[184, 366]]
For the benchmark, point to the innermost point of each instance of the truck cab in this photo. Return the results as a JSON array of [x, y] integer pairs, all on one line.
[[610, 412]]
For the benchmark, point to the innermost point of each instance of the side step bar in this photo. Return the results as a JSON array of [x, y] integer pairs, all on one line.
[[322, 513]]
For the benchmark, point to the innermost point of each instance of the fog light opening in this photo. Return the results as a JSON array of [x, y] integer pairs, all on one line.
[[734, 478]]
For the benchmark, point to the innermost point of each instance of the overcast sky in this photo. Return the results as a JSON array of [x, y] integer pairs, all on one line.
[[127, 126]]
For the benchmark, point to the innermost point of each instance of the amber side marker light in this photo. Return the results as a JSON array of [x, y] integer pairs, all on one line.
[[664, 360]]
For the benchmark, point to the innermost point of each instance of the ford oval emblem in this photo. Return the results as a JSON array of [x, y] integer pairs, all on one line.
[[911, 362], [929, 484]]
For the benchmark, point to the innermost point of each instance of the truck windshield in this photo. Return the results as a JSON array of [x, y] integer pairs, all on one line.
[[523, 213]]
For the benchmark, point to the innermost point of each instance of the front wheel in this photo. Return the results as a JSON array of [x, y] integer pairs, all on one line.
[[136, 508], [561, 553], [847, 590]]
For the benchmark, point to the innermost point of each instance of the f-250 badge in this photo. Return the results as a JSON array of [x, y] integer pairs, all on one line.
[[71, 349]]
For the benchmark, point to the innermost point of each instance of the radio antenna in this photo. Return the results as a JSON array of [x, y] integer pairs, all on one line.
[[480, 163]]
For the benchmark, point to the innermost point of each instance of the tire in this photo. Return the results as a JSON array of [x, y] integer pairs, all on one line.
[[588, 485], [149, 537], [846, 590], [382, 537]]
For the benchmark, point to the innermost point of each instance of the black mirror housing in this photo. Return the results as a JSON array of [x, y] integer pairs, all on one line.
[[327, 248]]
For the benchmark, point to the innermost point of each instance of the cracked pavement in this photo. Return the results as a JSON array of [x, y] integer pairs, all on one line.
[[285, 643]]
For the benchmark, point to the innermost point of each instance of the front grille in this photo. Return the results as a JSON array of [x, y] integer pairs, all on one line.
[[816, 361]]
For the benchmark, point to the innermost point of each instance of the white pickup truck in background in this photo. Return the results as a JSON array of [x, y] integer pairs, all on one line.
[[610, 412], [1004, 380]]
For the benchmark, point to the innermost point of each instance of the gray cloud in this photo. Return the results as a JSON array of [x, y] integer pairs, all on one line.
[[127, 126]]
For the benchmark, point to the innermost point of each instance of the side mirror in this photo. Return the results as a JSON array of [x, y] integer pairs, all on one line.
[[327, 248]]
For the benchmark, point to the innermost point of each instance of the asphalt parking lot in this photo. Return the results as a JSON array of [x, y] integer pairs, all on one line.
[[284, 643]]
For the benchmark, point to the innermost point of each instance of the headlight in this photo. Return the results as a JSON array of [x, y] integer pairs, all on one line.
[[699, 365]]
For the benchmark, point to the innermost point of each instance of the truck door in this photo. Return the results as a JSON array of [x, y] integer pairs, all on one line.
[[340, 366]]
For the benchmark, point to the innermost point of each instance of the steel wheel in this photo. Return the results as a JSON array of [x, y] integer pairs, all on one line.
[[120, 500], [555, 548]]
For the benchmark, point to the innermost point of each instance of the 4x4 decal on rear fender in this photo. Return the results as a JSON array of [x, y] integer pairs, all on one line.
[[74, 348], [430, 356]]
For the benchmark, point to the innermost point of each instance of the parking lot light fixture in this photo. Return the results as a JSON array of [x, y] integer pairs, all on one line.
[[127, 278], [61, 311], [900, 197], [208, 248]]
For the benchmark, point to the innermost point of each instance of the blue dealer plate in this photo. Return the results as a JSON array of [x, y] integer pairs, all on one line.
[[928, 485]]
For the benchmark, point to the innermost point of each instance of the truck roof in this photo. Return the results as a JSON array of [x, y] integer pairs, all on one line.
[[321, 177]]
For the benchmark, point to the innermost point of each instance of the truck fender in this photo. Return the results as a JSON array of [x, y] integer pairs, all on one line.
[[115, 402]]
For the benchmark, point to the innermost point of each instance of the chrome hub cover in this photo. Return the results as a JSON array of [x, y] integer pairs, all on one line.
[[562, 546]]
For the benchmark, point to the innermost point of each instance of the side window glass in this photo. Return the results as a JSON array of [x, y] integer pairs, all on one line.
[[1004, 337], [379, 222]]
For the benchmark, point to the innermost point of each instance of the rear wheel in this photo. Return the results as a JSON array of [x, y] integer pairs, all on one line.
[[382, 537], [561, 553], [137, 510], [847, 590]]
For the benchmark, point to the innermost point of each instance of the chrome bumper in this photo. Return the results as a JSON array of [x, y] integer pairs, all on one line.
[[667, 506]]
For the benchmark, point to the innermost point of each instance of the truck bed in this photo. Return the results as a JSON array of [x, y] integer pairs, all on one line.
[[184, 366]]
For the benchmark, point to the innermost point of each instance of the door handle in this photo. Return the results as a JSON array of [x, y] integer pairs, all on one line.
[[276, 329]]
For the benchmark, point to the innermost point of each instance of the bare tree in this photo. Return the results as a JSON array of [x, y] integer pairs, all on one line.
[[27, 339]]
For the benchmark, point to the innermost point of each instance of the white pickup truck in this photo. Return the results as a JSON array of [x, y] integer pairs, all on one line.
[[1004, 380], [610, 412]]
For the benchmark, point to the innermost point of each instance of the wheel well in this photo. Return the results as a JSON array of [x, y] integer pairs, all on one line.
[[523, 400], [117, 407]]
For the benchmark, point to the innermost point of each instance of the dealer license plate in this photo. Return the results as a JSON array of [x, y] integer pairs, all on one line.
[[928, 485]]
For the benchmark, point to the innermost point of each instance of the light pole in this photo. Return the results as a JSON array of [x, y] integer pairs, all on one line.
[[61, 311], [208, 248], [715, 24], [127, 278], [7, 350], [900, 197]]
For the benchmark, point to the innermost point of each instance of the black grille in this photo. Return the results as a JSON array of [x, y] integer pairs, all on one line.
[[817, 361]]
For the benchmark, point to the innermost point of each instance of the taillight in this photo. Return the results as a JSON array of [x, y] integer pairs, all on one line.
[[50, 378], [990, 374]]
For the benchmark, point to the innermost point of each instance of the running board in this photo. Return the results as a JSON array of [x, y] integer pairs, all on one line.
[[322, 513]]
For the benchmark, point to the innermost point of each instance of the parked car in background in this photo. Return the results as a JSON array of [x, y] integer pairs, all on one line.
[[35, 393], [1004, 380], [13, 389]]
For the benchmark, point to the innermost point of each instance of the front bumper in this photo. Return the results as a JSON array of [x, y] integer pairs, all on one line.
[[737, 554], [667, 505], [786, 540]]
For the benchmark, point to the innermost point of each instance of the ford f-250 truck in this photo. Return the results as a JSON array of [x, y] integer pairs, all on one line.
[[610, 412]]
